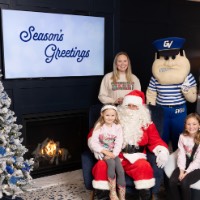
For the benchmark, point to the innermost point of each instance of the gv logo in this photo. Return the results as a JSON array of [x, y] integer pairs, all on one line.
[[167, 43]]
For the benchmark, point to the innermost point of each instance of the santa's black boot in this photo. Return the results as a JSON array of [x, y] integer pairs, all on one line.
[[102, 194], [145, 194]]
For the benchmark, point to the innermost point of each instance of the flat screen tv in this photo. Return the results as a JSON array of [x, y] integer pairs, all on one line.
[[39, 45]]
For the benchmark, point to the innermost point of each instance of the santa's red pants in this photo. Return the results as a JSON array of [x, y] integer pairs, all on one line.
[[141, 172]]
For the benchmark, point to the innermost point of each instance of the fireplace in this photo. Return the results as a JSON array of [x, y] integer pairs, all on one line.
[[55, 141]]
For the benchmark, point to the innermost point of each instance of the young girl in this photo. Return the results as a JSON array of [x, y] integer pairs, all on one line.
[[188, 170], [106, 143]]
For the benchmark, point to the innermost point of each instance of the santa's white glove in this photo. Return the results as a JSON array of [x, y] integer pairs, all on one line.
[[186, 85], [162, 158], [98, 156]]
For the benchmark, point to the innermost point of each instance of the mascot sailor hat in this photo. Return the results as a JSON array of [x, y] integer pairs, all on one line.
[[169, 46]]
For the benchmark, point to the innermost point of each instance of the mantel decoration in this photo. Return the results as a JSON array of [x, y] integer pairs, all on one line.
[[14, 169]]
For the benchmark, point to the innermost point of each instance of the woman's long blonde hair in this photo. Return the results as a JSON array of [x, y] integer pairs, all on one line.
[[115, 75], [197, 136], [100, 122]]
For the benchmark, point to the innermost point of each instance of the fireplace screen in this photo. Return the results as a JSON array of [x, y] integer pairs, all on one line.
[[55, 141]]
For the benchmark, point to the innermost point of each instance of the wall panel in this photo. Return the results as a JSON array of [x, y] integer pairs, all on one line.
[[67, 93], [143, 22]]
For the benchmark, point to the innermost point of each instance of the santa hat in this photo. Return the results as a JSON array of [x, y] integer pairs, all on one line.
[[135, 97]]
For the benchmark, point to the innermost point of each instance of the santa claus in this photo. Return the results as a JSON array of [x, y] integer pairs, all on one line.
[[139, 133]]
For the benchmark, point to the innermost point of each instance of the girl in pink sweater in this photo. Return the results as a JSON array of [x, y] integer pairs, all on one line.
[[188, 170], [106, 143]]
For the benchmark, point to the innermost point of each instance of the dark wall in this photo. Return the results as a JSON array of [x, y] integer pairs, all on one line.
[[142, 22], [131, 26], [69, 93]]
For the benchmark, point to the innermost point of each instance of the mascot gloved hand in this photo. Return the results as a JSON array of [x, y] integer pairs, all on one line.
[[171, 86]]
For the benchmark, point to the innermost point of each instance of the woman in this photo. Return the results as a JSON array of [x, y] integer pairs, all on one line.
[[115, 85]]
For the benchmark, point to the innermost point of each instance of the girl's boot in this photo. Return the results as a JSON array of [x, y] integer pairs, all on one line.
[[112, 185], [121, 192]]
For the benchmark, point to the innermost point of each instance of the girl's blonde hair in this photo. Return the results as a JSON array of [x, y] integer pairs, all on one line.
[[100, 122], [197, 136], [115, 75]]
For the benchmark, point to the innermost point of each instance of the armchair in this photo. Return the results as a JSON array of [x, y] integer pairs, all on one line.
[[169, 168], [88, 159]]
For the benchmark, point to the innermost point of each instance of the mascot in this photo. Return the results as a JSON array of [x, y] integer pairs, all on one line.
[[171, 86]]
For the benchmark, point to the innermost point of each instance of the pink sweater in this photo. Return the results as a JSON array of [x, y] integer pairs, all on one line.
[[109, 138], [185, 145]]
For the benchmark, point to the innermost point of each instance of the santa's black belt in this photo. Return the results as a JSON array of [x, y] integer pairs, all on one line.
[[133, 149]]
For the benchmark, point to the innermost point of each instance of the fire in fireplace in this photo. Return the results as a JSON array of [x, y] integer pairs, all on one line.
[[55, 140], [51, 152]]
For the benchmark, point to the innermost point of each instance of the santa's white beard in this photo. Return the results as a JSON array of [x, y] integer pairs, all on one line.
[[132, 122]]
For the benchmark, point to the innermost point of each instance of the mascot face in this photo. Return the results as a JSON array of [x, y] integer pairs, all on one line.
[[171, 70]]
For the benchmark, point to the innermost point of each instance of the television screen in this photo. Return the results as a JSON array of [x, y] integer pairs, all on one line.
[[38, 44]]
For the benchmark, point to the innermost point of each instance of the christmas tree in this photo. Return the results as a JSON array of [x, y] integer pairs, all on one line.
[[14, 169]]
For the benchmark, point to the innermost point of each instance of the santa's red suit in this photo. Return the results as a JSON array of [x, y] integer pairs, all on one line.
[[140, 133]]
